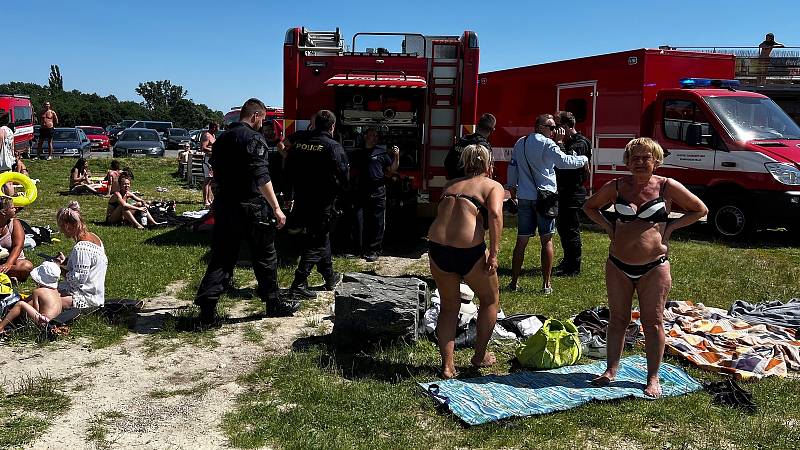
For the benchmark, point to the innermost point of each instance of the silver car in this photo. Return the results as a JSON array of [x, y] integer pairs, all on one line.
[[139, 142]]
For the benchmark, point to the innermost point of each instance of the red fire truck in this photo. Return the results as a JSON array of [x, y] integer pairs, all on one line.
[[274, 113], [737, 150], [20, 112], [421, 97]]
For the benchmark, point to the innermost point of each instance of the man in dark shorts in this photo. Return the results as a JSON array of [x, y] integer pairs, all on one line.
[[49, 120]]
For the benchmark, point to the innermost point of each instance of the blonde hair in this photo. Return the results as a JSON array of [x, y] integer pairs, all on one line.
[[476, 159], [71, 215], [649, 144]]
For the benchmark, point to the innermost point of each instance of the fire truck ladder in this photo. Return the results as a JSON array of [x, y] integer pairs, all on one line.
[[322, 41], [444, 89]]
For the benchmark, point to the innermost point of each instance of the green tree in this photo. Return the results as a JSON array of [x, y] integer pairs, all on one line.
[[56, 81], [160, 94]]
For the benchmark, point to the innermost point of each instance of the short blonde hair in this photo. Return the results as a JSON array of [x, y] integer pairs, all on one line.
[[476, 159], [649, 144]]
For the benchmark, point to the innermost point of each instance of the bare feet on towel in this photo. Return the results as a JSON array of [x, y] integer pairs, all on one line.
[[448, 373], [605, 379], [488, 360], [653, 388]]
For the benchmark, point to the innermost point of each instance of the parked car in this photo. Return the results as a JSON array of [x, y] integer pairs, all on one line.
[[114, 132], [159, 126], [139, 142], [174, 137], [97, 136], [195, 135], [67, 142]]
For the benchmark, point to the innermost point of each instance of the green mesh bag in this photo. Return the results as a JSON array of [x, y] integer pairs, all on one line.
[[556, 344]]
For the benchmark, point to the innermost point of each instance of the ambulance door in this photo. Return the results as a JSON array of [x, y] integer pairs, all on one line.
[[580, 99]]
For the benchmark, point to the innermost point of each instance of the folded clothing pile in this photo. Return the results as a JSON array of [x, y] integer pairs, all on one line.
[[592, 327]]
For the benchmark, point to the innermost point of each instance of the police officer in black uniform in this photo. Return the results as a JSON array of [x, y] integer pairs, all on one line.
[[245, 208], [317, 170], [371, 165], [452, 162], [571, 195]]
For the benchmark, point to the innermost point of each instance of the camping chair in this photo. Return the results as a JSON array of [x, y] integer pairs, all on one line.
[[197, 169]]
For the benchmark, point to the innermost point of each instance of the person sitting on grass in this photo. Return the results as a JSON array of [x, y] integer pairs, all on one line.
[[469, 207], [84, 284], [12, 238], [120, 211], [46, 276], [112, 177], [79, 182]]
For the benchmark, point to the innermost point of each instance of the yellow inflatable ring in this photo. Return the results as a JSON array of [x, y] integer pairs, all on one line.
[[30, 188]]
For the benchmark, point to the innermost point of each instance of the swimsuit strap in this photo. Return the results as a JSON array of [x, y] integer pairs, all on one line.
[[484, 212]]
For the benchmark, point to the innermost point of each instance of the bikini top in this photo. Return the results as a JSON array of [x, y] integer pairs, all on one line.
[[654, 210], [481, 208]]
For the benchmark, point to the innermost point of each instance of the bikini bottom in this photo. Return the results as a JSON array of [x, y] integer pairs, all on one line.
[[636, 271], [455, 259]]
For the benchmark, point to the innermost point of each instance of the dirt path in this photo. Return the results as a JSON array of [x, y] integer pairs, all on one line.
[[152, 393], [173, 399]]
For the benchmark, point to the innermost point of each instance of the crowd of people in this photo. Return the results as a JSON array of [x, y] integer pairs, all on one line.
[[546, 177]]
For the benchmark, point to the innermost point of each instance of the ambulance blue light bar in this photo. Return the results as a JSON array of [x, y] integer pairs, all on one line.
[[689, 83]]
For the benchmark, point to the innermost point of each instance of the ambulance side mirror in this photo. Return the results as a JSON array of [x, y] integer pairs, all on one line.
[[694, 134]]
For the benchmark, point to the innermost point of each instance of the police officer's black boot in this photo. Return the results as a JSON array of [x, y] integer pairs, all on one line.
[[301, 290], [282, 307], [333, 281]]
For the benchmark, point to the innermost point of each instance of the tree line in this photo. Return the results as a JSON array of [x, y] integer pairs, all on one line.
[[162, 101]]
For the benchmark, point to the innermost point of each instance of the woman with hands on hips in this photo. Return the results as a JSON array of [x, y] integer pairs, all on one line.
[[638, 252]]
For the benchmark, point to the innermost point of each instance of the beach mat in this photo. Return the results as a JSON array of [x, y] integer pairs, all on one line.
[[486, 399]]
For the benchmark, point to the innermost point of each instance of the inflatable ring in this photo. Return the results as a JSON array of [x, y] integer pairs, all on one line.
[[30, 188]]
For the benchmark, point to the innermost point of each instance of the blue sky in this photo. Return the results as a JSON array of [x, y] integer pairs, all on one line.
[[225, 52]]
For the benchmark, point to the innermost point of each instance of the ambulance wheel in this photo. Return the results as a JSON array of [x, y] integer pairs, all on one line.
[[730, 218]]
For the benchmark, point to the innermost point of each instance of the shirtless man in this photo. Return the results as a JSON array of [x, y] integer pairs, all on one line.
[[49, 120], [206, 141]]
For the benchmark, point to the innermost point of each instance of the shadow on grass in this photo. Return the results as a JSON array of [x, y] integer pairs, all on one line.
[[359, 364], [182, 236]]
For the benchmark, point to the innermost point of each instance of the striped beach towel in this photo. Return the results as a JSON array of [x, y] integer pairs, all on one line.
[[715, 341]]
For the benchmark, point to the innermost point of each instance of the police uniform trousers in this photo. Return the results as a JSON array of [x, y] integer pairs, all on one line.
[[568, 225], [234, 223], [316, 221], [370, 215]]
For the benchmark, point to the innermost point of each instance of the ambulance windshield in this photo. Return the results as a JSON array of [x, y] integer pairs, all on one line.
[[753, 118]]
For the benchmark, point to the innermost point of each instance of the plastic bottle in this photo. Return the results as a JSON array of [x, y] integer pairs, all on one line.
[[143, 220]]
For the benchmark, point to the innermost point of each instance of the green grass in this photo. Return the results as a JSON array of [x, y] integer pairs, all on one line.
[[319, 397], [27, 409], [97, 432]]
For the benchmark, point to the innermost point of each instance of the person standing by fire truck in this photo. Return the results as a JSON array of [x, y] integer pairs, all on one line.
[[452, 162], [571, 195], [245, 208], [372, 164], [317, 170], [530, 171]]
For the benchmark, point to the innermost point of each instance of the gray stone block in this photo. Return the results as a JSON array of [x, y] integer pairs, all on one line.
[[372, 309]]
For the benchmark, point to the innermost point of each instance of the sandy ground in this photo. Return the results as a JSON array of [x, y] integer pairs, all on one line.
[[132, 393]]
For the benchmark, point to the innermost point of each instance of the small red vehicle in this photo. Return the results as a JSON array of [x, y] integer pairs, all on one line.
[[98, 137], [735, 149], [20, 112]]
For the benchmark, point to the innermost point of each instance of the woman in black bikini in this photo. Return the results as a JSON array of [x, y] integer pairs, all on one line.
[[637, 256], [469, 207]]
